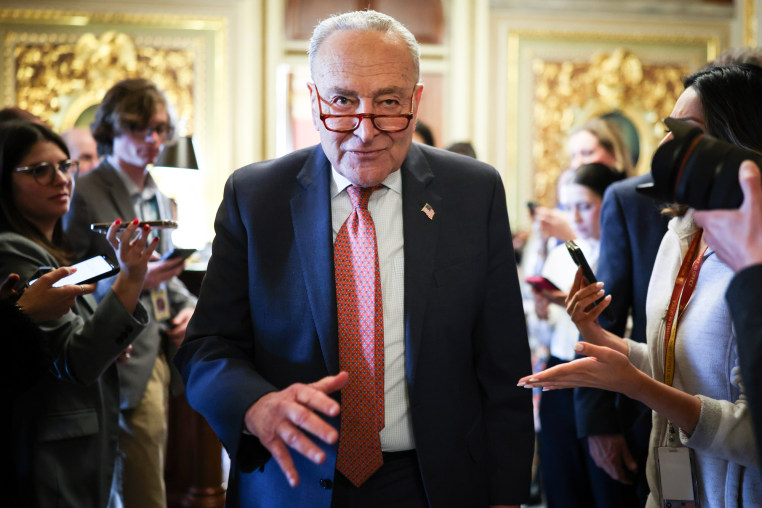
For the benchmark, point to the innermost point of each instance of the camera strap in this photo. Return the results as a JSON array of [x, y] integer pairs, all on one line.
[[685, 284]]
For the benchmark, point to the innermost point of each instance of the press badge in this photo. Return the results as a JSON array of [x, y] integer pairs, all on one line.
[[677, 477], [160, 303]]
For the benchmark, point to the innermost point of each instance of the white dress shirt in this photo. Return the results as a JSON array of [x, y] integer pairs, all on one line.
[[385, 207]]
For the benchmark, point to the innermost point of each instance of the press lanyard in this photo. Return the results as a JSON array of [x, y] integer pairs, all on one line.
[[681, 294]]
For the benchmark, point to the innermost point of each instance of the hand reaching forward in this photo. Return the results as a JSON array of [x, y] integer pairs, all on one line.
[[603, 368], [42, 302], [278, 419]]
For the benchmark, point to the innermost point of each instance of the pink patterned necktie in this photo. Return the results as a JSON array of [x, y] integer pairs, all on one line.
[[361, 341]]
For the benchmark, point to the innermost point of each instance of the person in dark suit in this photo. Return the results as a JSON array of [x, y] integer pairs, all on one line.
[[131, 125], [616, 427], [736, 237], [263, 360]]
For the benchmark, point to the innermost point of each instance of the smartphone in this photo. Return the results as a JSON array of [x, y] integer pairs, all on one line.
[[89, 270], [540, 283], [579, 259], [532, 206], [178, 253], [102, 227]]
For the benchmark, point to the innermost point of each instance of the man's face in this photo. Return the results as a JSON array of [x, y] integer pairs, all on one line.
[[364, 72], [140, 148], [83, 148]]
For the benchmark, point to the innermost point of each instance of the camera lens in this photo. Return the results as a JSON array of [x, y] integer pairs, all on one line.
[[697, 170]]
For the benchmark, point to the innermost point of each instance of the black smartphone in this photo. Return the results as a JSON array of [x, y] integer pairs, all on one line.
[[102, 227], [579, 259], [532, 206], [89, 270], [178, 253]]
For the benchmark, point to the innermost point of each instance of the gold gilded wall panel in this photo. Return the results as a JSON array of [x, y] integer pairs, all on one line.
[[59, 77], [556, 81], [567, 94]]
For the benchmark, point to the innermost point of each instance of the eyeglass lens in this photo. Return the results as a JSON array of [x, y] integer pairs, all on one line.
[[44, 173], [382, 123]]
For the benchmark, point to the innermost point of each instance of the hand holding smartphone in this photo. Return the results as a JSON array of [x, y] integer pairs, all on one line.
[[579, 259], [89, 270]]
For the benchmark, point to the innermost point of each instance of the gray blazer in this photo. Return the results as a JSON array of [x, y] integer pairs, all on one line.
[[64, 429], [100, 196]]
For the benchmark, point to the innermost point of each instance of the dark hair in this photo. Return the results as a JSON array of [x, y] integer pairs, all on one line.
[[17, 138], [463, 148], [16, 113], [596, 177], [128, 106], [732, 101], [424, 131]]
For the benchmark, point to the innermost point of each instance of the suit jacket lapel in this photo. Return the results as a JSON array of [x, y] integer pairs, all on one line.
[[311, 217], [117, 192], [421, 234]]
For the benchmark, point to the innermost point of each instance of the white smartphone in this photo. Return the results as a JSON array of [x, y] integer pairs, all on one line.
[[89, 270]]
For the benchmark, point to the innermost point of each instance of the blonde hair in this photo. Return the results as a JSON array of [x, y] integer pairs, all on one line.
[[610, 138]]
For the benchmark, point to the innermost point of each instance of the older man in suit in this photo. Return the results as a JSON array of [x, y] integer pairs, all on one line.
[[130, 126], [376, 268]]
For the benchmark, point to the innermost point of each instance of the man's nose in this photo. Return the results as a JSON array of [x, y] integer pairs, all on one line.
[[366, 130]]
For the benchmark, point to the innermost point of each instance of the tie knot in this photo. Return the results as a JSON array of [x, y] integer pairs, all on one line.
[[360, 195]]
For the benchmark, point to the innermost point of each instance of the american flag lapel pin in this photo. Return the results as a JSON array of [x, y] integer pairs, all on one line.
[[428, 211]]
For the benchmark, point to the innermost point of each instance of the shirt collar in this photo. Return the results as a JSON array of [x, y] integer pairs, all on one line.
[[149, 186], [339, 182]]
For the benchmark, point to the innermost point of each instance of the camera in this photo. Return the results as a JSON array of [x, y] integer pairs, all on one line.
[[697, 170]]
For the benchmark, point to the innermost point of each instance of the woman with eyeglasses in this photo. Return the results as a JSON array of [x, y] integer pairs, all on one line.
[[64, 428]]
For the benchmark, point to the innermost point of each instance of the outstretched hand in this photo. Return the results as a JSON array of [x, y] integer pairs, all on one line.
[[279, 420], [603, 368]]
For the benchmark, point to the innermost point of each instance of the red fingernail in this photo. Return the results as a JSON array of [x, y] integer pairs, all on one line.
[[136, 221], [118, 221], [146, 227], [155, 239]]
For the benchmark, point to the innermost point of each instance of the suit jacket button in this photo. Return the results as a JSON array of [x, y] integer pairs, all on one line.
[[326, 483]]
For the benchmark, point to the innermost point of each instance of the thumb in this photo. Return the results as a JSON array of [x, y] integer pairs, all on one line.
[[51, 278], [749, 178], [628, 459], [330, 384]]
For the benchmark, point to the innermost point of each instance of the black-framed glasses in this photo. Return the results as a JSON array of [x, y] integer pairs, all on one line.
[[161, 129], [44, 173], [350, 122]]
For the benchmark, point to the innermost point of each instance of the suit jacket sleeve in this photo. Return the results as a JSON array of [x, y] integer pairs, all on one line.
[[502, 354], [215, 359], [596, 409], [744, 295], [82, 347]]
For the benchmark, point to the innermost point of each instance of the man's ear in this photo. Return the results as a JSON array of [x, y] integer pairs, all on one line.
[[417, 94], [313, 106]]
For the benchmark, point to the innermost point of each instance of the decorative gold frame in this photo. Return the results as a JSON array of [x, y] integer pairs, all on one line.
[[588, 74]]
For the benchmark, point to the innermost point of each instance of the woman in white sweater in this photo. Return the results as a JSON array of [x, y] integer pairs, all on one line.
[[691, 381]]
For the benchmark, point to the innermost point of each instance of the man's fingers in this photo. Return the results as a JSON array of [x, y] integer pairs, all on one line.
[[749, 178], [303, 417], [280, 453], [330, 384]]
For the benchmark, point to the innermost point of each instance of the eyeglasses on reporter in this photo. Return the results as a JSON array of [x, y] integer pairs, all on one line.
[[350, 122], [44, 173]]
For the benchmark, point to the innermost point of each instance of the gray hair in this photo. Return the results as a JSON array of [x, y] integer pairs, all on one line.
[[369, 21]]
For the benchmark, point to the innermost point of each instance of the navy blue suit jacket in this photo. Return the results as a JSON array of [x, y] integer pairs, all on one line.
[[266, 318], [631, 231]]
